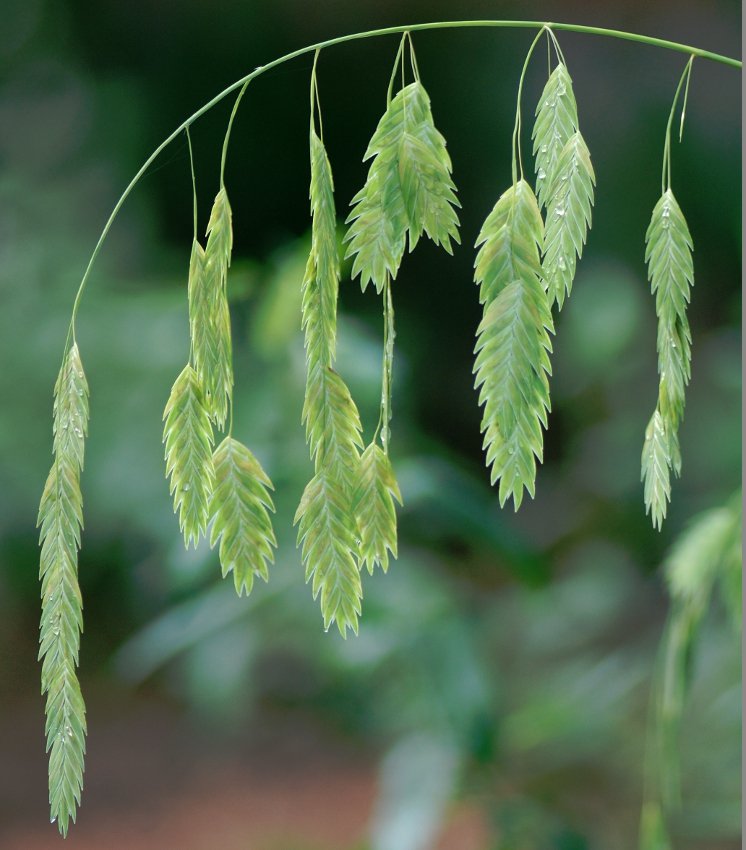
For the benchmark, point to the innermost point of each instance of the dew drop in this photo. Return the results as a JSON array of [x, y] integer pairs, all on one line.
[[559, 211], [53, 820], [561, 90], [541, 174], [561, 263], [65, 426], [186, 487], [78, 432], [543, 149], [666, 212]]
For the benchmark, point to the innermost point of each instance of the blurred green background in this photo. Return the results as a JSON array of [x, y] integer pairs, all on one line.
[[497, 696]]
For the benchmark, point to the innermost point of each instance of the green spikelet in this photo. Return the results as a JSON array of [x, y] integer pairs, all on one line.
[[210, 318], [187, 434], [327, 524], [329, 548], [408, 190], [564, 182], [425, 173], [374, 508], [321, 281], [513, 345], [327, 528], [556, 121], [239, 508], [569, 205], [656, 462], [61, 521], [668, 256]]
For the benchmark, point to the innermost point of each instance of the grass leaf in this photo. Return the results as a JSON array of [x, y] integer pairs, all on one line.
[[239, 508]]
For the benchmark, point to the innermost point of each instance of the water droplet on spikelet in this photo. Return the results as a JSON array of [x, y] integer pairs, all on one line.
[[541, 174]]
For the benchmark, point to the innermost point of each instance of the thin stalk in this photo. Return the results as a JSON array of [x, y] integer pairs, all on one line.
[[435, 25], [666, 175], [399, 57], [194, 182], [226, 140], [517, 125], [315, 101], [387, 368]]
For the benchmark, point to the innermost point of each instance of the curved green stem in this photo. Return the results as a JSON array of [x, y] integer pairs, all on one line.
[[388, 368], [517, 125], [227, 138], [399, 58], [194, 182], [436, 25], [686, 76]]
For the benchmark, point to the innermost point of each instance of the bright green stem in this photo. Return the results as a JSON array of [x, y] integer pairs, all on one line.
[[388, 367], [227, 138], [517, 127], [437, 25], [194, 182], [687, 75]]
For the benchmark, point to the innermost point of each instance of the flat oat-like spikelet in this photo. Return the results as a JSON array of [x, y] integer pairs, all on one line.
[[564, 182], [668, 255], [425, 173], [374, 508], [656, 463], [513, 345], [187, 434], [556, 121], [239, 508], [61, 520], [569, 205], [409, 189], [327, 532], [321, 281], [213, 353]]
